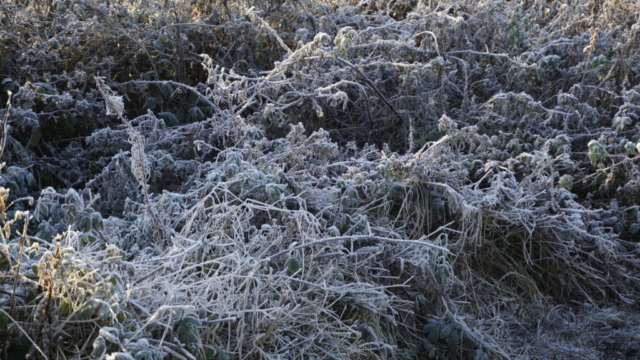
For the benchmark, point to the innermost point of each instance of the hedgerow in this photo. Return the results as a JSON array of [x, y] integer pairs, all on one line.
[[304, 179]]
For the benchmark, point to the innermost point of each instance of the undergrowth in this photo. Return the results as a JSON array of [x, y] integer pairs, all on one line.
[[319, 179]]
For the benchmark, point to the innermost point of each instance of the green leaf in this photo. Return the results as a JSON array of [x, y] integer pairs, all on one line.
[[27, 105], [8, 85], [84, 224], [64, 308], [166, 90], [121, 356], [152, 102], [35, 138], [69, 119], [433, 330], [96, 220], [110, 334], [292, 265], [634, 228], [99, 348], [453, 338], [195, 114], [165, 64], [85, 312], [4, 321], [187, 334], [214, 352], [446, 331], [170, 119], [149, 75], [190, 321], [420, 303]]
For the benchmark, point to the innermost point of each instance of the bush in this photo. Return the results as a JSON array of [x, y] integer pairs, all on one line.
[[298, 179]]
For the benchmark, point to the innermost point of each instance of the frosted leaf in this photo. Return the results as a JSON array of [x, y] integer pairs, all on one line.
[[114, 103]]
